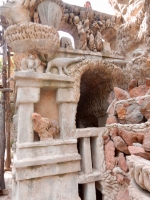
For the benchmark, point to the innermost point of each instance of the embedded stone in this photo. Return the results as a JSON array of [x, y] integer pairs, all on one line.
[[138, 151], [121, 111], [139, 91], [113, 132], [145, 108], [131, 137], [122, 162], [121, 94], [147, 82], [110, 155], [132, 84], [146, 142], [120, 144], [106, 139], [133, 114], [120, 178], [111, 120]]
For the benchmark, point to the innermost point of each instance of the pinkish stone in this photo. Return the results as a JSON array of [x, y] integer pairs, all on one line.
[[46, 128], [111, 120], [106, 139], [120, 178], [147, 82], [111, 108], [123, 195], [138, 151], [131, 137], [146, 142], [121, 94], [110, 155], [122, 162], [132, 84], [113, 132], [139, 91], [121, 111], [145, 107], [120, 144]]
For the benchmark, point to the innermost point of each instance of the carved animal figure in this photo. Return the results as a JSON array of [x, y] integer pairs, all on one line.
[[45, 127], [62, 64], [30, 63], [12, 9]]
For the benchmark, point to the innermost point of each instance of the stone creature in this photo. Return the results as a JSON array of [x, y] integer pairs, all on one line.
[[98, 41], [66, 43], [30, 63], [62, 63], [47, 129], [12, 9]]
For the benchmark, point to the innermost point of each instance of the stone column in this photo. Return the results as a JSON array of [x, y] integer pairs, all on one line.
[[67, 110], [26, 97], [86, 167]]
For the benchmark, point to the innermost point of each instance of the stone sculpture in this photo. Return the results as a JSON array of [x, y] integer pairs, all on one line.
[[110, 86], [30, 64], [61, 64], [32, 37], [46, 128], [66, 43]]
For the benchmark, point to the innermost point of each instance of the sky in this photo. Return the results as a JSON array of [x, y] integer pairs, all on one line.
[[99, 5]]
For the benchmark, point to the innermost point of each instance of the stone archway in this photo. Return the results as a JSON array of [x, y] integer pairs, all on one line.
[[94, 80]]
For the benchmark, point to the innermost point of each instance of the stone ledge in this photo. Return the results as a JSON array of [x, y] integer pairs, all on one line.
[[46, 143], [129, 127], [87, 54], [42, 76], [88, 178], [50, 150], [32, 162], [90, 132], [46, 170], [42, 80]]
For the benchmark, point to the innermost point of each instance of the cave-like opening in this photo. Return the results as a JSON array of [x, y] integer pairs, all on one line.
[[95, 87]]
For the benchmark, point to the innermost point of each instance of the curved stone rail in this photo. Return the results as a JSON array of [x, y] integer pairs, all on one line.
[[140, 171], [135, 192]]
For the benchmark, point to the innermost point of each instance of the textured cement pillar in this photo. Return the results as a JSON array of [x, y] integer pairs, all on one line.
[[85, 152], [25, 130], [89, 191], [67, 111], [26, 97]]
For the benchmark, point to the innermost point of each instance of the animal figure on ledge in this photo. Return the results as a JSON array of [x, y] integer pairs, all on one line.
[[47, 129], [61, 64]]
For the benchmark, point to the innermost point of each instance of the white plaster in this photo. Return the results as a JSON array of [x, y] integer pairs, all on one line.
[[28, 95], [89, 191], [67, 120], [25, 130], [85, 152], [65, 95]]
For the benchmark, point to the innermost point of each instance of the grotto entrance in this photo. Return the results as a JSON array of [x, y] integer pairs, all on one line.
[[95, 88]]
